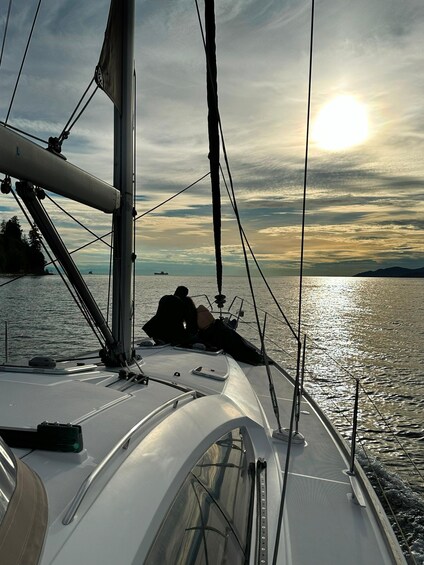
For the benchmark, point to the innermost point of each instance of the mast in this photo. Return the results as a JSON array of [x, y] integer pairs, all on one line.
[[123, 180]]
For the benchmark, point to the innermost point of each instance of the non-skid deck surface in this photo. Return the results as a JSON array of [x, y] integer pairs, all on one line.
[[322, 525]]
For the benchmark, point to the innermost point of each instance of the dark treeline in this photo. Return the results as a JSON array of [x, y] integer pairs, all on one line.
[[20, 254]]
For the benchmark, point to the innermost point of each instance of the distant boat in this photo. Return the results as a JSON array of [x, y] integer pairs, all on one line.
[[161, 273]]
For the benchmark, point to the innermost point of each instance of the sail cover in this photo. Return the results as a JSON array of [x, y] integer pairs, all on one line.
[[108, 73]]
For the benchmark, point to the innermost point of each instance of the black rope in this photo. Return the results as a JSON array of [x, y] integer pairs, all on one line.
[[5, 31], [171, 197], [246, 261], [259, 267], [299, 348], [134, 121], [305, 169], [65, 132], [23, 61]]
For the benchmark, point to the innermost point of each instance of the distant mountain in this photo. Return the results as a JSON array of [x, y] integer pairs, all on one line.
[[400, 272]]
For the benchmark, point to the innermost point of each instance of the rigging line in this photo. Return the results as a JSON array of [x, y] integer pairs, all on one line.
[[134, 122], [249, 278], [31, 223], [365, 451], [383, 419], [258, 266], [5, 31], [390, 429], [24, 132], [235, 208], [171, 197], [83, 110], [23, 61], [305, 176], [109, 284], [246, 261], [76, 295], [77, 221], [111, 232], [65, 130], [299, 348]]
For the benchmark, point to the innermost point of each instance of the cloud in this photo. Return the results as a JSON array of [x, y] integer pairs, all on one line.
[[363, 204]]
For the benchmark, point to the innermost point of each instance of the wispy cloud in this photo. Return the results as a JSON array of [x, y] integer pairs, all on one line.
[[364, 204]]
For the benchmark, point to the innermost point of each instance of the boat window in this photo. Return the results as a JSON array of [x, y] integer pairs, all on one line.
[[209, 520], [7, 477], [23, 510]]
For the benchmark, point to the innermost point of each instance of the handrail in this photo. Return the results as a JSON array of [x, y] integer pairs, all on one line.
[[123, 443]]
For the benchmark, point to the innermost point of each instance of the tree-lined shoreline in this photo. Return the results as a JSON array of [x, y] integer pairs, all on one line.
[[20, 254]]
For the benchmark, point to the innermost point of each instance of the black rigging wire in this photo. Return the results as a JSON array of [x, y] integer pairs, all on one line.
[[23, 61], [80, 305], [171, 197], [258, 266], [299, 347], [65, 132], [134, 122], [5, 31], [246, 261], [98, 238], [101, 237], [305, 169]]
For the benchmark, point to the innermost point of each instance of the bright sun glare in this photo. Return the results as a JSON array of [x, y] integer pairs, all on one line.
[[342, 123]]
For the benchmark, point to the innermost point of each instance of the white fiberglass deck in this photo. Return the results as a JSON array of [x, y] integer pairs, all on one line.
[[321, 525], [319, 491]]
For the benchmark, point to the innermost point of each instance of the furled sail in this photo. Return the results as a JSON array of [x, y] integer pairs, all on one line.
[[108, 73]]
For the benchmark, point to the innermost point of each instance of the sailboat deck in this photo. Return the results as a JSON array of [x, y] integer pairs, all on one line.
[[321, 522], [319, 490]]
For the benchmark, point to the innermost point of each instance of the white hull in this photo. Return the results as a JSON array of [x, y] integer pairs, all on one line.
[[131, 496]]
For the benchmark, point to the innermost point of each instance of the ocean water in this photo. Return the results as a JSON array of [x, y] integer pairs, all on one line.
[[356, 328]]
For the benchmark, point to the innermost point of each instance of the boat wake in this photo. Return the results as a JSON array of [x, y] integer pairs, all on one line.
[[403, 505]]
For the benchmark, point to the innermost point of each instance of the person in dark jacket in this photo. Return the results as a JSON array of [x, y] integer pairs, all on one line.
[[167, 325], [190, 312]]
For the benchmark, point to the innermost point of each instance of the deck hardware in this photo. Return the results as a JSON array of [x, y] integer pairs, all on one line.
[[6, 185], [300, 389], [49, 436], [354, 428], [262, 513], [5, 342], [82, 491]]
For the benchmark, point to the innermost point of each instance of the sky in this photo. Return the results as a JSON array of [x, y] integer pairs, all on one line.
[[364, 207]]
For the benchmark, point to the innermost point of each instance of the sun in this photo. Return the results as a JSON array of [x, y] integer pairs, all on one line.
[[340, 124]]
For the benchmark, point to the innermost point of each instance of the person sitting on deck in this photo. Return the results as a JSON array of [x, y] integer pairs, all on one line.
[[215, 333], [167, 325], [190, 312]]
